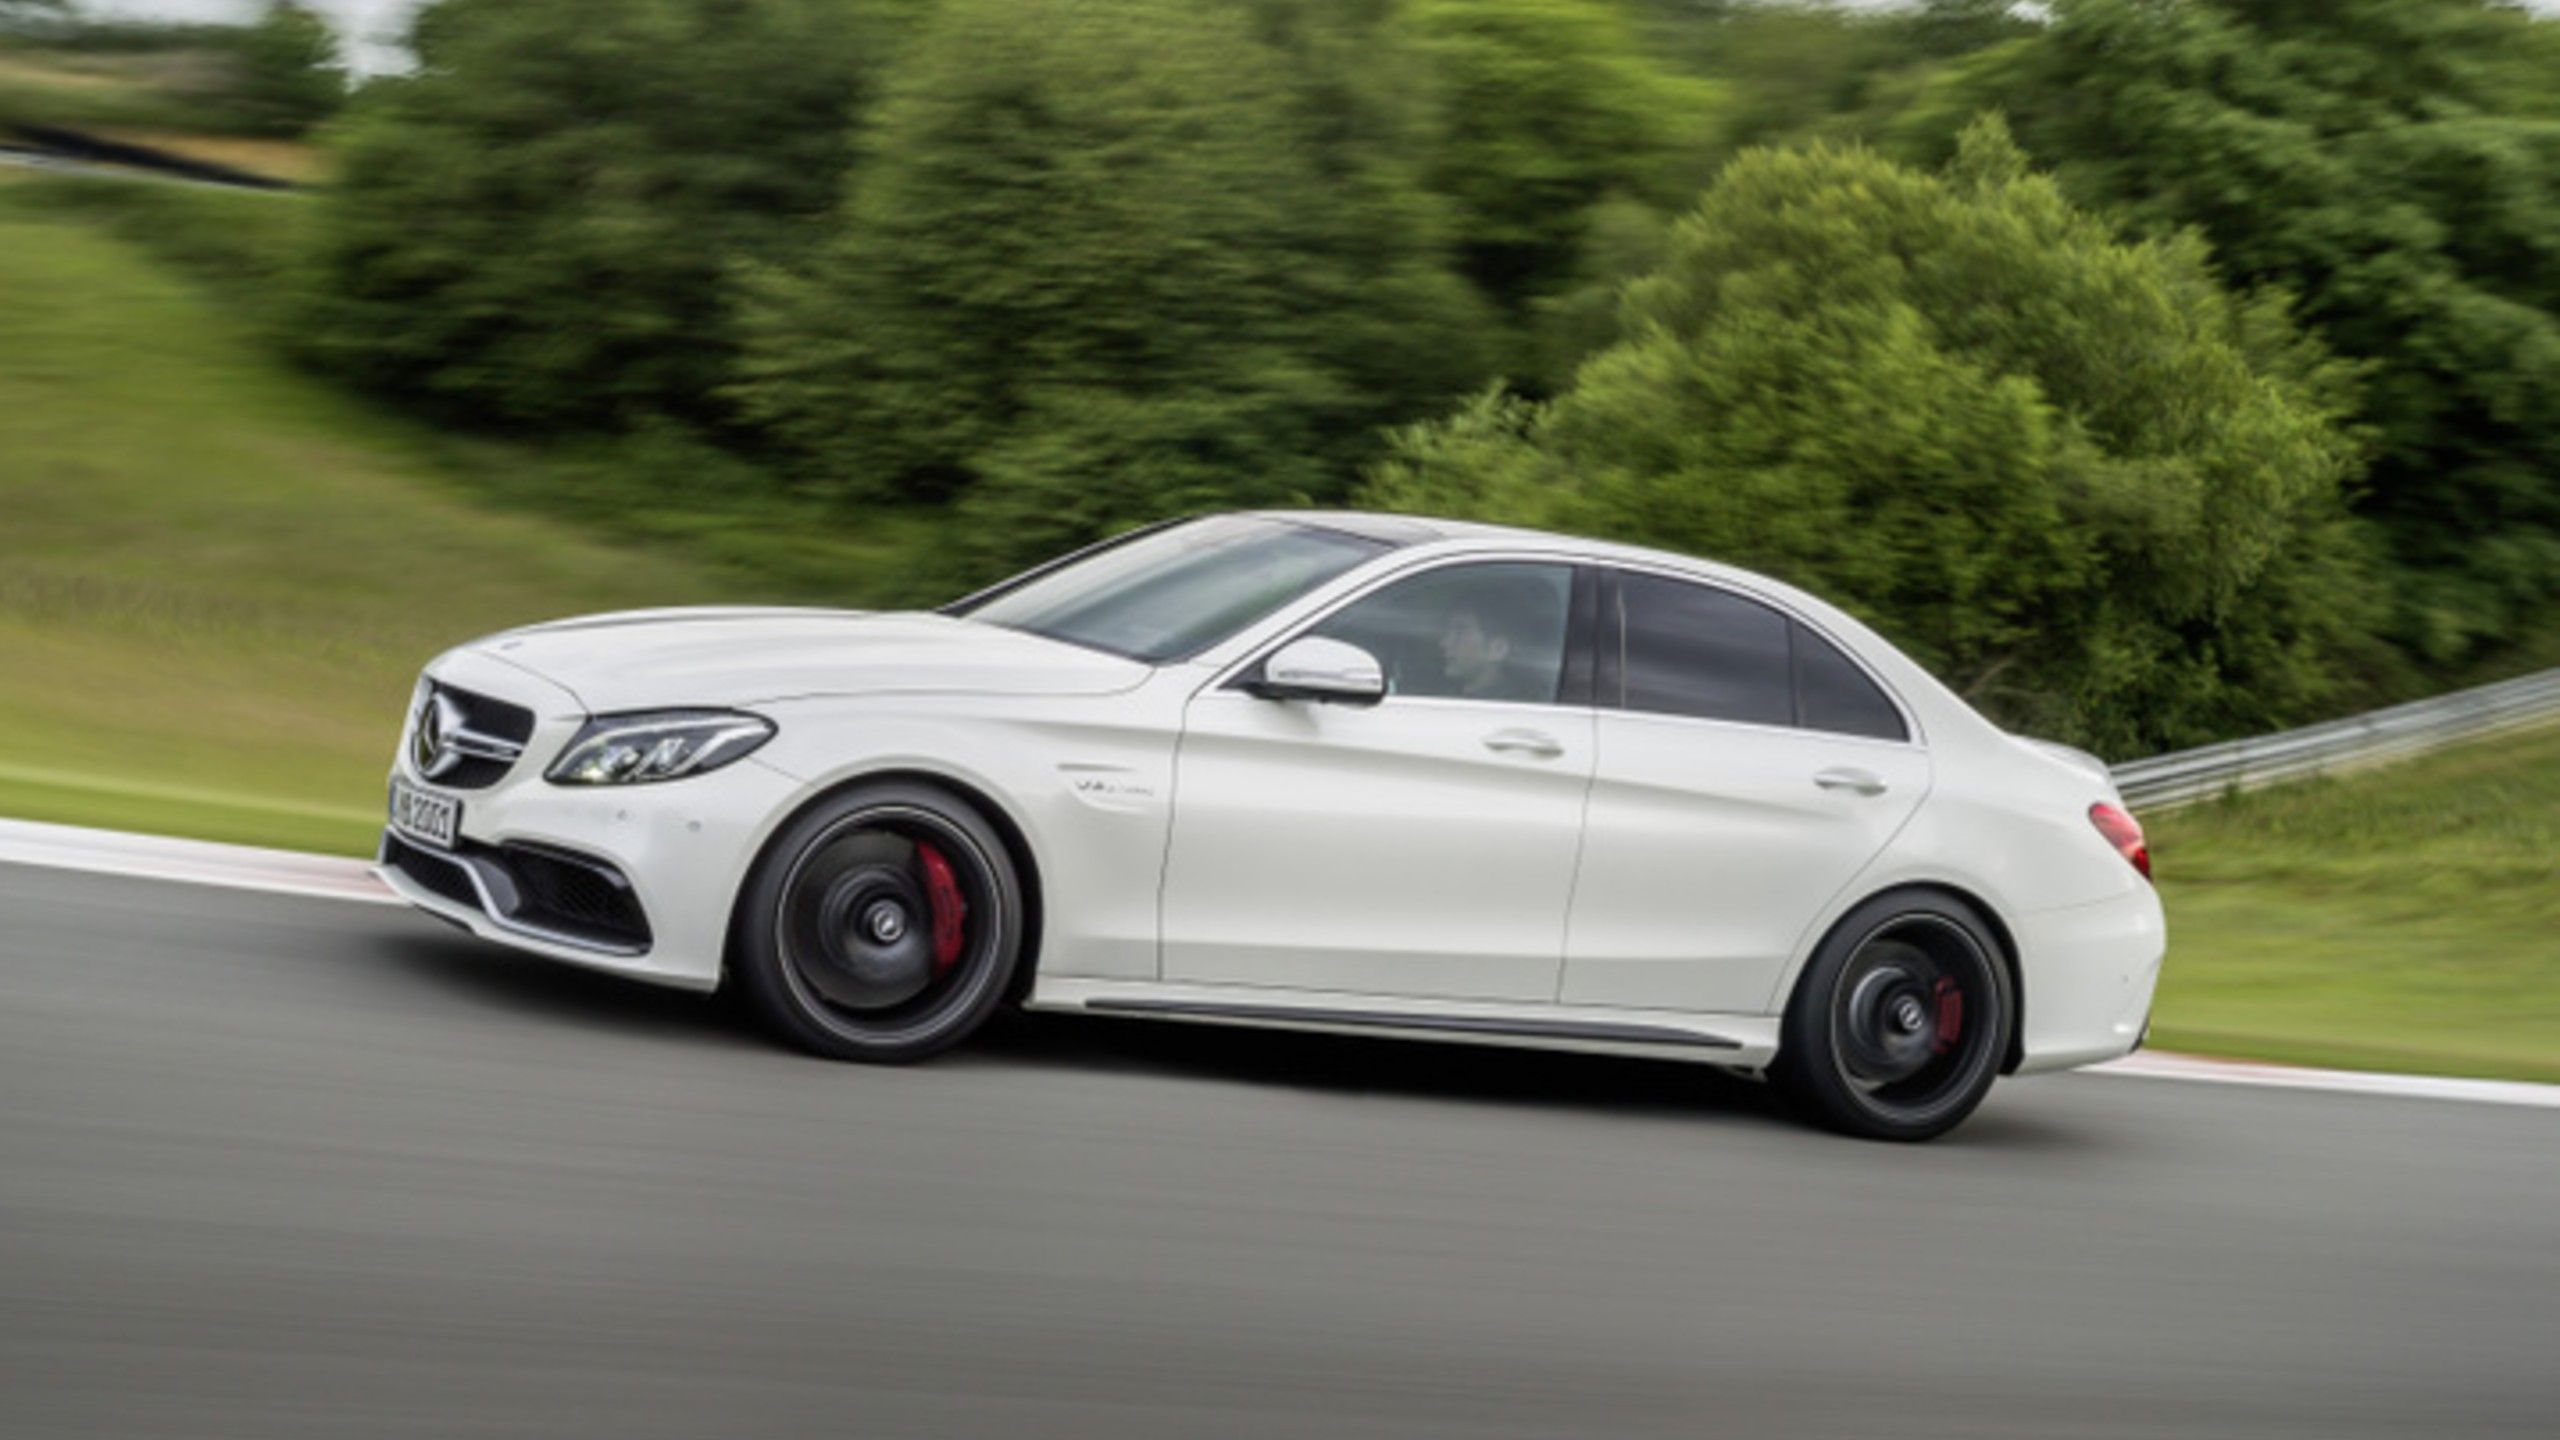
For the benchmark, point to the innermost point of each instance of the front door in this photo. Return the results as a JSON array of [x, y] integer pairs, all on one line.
[[1422, 846]]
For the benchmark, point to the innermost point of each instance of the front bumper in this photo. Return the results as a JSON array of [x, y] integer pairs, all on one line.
[[638, 880], [529, 891]]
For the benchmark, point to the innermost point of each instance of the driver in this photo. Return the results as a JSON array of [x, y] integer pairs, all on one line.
[[1483, 630]]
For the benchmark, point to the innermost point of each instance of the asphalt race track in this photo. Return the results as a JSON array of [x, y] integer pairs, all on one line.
[[281, 1167]]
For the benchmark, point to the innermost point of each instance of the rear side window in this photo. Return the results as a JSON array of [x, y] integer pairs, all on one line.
[[1833, 694], [1708, 654]]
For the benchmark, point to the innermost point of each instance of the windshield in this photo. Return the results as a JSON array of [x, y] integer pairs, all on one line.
[[1169, 594]]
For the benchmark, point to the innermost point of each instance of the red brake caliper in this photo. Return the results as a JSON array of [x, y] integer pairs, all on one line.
[[1950, 1014], [950, 911]]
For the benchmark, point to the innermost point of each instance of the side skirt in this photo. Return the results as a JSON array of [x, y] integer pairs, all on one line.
[[1741, 1042]]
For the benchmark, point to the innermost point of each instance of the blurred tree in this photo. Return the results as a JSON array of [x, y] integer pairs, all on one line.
[[2072, 474], [2394, 163], [289, 75], [1941, 28], [537, 227], [34, 16], [1402, 324], [1797, 72], [1788, 74], [1546, 107], [1107, 261]]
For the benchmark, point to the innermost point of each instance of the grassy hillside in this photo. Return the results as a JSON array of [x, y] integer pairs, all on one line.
[[218, 576], [2401, 919]]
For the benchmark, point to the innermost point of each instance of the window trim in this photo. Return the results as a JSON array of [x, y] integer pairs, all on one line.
[[1582, 625], [1610, 692]]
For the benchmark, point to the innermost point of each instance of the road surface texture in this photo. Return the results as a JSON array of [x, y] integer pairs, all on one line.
[[281, 1167]]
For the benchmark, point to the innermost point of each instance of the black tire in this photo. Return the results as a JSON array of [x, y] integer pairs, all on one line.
[[1901, 1021], [840, 945]]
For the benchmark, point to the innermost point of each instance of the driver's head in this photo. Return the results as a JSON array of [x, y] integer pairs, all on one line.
[[1470, 654], [1485, 625]]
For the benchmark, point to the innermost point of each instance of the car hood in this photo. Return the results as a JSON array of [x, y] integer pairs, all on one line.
[[654, 659]]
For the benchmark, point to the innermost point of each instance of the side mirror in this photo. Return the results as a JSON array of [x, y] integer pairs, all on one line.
[[1314, 668]]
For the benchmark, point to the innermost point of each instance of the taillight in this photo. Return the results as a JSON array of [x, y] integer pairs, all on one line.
[[2123, 832]]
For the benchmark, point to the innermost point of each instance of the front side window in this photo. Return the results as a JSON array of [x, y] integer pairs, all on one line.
[[1169, 594], [1491, 631]]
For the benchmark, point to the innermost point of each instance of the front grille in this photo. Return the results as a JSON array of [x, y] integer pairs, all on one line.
[[550, 893], [485, 715]]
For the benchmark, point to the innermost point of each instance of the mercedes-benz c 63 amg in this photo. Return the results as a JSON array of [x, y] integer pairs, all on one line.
[[1327, 771]]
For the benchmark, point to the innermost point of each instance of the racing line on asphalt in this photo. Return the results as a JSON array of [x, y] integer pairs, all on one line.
[[331, 877]]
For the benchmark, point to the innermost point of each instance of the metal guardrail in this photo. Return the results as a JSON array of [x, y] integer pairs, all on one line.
[[2371, 738]]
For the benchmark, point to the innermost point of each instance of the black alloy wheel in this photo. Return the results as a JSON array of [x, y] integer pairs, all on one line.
[[1900, 1022], [882, 924]]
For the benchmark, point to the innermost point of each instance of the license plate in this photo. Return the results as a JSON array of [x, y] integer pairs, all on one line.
[[422, 816]]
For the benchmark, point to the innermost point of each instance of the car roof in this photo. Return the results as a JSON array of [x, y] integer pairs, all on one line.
[[1377, 525], [1401, 530]]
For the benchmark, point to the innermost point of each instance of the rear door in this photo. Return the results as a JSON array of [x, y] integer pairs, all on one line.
[[1747, 769], [1422, 846]]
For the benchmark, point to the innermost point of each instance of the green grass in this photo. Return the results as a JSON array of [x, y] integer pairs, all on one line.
[[663, 488], [238, 243], [218, 575], [2400, 919]]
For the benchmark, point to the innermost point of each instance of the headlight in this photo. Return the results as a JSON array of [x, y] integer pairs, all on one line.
[[658, 745]]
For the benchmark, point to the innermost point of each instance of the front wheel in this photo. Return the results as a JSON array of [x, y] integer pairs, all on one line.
[[1899, 1024], [882, 924]]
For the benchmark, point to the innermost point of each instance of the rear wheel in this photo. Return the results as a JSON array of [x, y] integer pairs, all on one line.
[[883, 924], [1899, 1024]]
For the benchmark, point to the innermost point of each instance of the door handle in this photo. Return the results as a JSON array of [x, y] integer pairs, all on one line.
[[1537, 744], [1849, 777]]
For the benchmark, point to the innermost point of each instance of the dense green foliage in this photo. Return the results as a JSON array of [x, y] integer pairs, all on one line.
[[1547, 107], [1050, 268], [1106, 261], [2095, 492], [537, 227], [289, 76], [2396, 165], [1795, 73]]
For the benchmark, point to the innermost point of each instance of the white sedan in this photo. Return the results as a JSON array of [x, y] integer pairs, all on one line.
[[1336, 772]]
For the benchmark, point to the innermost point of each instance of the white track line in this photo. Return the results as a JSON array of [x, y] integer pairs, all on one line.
[[330, 877], [2163, 1065], [193, 862]]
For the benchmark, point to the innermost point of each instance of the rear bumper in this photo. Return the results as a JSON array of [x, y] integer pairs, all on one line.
[[2089, 972]]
